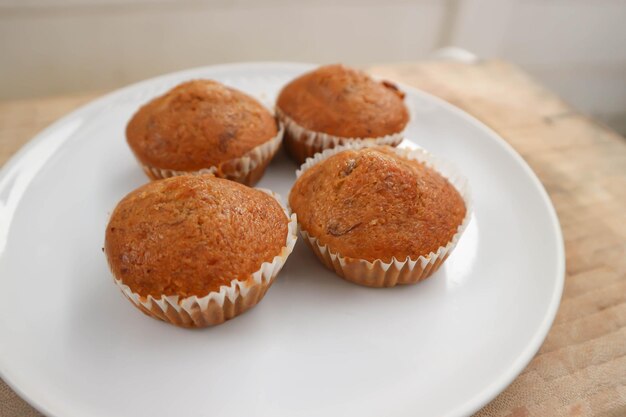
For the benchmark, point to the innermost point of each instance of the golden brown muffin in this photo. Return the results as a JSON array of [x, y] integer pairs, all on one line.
[[344, 102], [197, 125], [197, 250], [189, 235], [373, 204]]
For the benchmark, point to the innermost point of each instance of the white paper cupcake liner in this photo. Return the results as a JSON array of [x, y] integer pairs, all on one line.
[[378, 273], [218, 306], [247, 169], [302, 143]]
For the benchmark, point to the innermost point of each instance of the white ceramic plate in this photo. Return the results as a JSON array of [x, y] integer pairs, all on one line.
[[316, 345]]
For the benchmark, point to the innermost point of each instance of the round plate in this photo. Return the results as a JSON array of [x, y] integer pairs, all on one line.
[[316, 345]]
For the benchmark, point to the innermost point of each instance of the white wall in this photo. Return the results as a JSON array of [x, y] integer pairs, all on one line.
[[576, 47], [73, 44]]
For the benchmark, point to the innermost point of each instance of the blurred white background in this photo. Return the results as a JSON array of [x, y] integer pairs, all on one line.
[[575, 47]]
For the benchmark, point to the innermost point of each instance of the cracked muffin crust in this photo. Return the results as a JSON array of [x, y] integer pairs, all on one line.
[[373, 204], [189, 235], [198, 124]]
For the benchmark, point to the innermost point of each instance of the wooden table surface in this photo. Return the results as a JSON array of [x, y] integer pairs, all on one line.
[[581, 368]]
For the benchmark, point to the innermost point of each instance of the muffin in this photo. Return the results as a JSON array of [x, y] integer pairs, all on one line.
[[379, 216], [197, 250], [335, 105], [202, 126]]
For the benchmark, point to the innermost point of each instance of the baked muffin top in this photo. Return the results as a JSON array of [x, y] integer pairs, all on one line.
[[374, 204], [344, 102], [189, 235], [198, 124]]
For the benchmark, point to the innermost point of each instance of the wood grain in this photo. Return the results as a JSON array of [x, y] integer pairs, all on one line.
[[581, 368]]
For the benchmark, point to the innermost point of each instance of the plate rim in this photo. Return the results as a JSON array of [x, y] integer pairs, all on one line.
[[484, 396]]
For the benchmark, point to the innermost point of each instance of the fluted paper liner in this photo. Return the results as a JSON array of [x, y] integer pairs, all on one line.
[[378, 273], [218, 306], [302, 143], [247, 169]]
